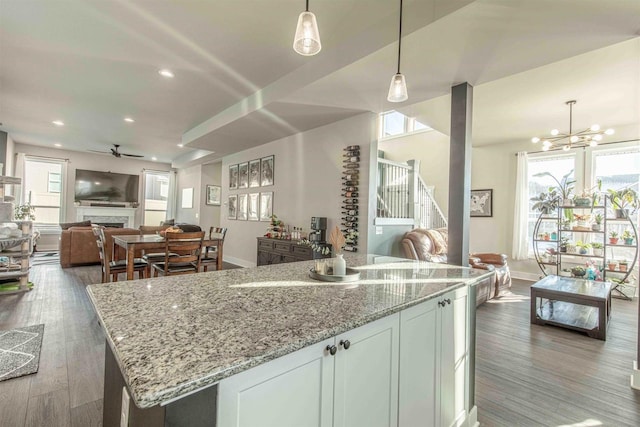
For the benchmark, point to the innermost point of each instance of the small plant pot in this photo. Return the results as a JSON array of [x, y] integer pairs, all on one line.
[[563, 249], [628, 241], [546, 237], [621, 213], [582, 251], [611, 266], [567, 202], [582, 201], [598, 251], [578, 273], [623, 267], [596, 227], [613, 240]]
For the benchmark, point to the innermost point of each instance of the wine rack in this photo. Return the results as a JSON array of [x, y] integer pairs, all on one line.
[[350, 184]]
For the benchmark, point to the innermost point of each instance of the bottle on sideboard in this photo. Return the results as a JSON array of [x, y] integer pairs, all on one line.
[[350, 248]]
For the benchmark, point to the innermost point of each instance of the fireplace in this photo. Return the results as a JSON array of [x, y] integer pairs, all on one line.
[[108, 216]]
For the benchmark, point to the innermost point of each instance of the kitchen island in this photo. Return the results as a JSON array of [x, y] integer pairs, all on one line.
[[271, 346]]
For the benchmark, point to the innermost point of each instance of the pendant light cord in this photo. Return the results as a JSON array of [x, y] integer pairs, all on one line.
[[399, 37], [571, 119], [307, 6]]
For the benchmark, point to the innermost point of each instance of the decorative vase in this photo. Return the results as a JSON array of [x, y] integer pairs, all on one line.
[[339, 266]]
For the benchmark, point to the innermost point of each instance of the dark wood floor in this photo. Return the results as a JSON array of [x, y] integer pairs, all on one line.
[[526, 375], [531, 375]]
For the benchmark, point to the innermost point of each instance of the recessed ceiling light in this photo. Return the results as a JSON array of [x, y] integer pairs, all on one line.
[[58, 122], [57, 145], [166, 73], [180, 145], [129, 120], [154, 158]]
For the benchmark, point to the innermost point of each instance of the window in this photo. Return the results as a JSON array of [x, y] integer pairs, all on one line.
[[394, 123], [557, 166], [617, 169], [54, 182], [42, 188], [156, 194]]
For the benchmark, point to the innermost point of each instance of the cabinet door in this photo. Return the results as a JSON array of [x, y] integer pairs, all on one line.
[[294, 390], [419, 348], [366, 375], [264, 258], [453, 359]]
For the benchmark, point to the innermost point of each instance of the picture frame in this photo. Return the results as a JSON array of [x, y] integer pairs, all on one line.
[[481, 204], [267, 171], [187, 198], [266, 206], [253, 206], [242, 207], [254, 173], [233, 177], [243, 175], [214, 194], [232, 207]]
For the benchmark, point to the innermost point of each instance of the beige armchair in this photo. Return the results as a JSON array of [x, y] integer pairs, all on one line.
[[431, 245]]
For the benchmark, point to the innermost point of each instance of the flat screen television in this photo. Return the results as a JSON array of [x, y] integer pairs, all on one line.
[[106, 186]]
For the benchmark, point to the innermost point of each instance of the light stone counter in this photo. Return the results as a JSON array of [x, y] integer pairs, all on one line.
[[173, 335]]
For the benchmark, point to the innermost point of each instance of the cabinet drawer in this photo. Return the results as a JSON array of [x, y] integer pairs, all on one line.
[[286, 258], [284, 247], [302, 251], [265, 244]]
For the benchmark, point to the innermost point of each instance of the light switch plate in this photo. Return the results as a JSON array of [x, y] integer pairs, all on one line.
[[378, 230]]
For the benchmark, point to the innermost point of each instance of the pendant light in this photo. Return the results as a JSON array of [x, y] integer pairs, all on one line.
[[307, 39], [398, 87]]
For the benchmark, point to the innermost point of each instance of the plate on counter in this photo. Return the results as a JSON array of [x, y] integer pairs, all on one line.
[[351, 276]]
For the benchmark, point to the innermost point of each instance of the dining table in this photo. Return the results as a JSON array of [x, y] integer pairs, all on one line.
[[147, 242]]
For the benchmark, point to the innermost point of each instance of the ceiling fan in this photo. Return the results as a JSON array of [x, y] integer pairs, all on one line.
[[115, 153]]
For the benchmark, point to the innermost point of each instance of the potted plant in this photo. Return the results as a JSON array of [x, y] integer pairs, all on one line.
[[565, 187], [611, 265], [25, 212], [627, 237], [565, 272], [564, 242], [565, 223], [546, 237], [598, 248], [582, 221], [571, 248], [613, 237], [597, 224], [623, 201], [623, 265], [583, 248], [578, 271], [546, 203]]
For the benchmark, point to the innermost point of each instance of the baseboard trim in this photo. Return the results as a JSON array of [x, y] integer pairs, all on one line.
[[238, 261], [635, 376], [525, 276], [472, 418]]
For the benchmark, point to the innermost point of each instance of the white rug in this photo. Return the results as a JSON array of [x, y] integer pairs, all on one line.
[[20, 351]]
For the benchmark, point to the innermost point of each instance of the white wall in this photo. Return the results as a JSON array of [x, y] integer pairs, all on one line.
[[307, 182], [89, 161], [431, 148], [189, 178]]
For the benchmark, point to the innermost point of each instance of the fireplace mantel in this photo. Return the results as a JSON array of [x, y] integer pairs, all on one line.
[[107, 214]]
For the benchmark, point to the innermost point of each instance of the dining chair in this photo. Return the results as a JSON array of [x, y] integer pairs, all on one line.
[[112, 268], [210, 256], [155, 256], [183, 252]]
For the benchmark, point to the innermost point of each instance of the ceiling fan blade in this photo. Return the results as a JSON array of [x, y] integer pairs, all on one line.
[[131, 155], [99, 152]]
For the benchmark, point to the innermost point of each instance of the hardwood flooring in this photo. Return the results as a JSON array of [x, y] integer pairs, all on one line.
[[532, 375], [526, 375]]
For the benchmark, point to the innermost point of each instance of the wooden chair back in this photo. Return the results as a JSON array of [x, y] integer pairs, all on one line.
[[182, 249], [217, 230]]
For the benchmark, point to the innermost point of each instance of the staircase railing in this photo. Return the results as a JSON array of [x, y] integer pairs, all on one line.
[[403, 195]]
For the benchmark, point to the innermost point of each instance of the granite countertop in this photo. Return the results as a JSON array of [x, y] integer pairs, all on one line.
[[173, 335]]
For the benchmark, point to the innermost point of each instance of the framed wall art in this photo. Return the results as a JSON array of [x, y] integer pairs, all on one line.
[[481, 204], [242, 207], [254, 173], [266, 171], [266, 206], [233, 207], [233, 177], [243, 175], [214, 193], [254, 200]]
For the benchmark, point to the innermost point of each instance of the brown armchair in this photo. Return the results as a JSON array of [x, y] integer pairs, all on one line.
[[431, 245]]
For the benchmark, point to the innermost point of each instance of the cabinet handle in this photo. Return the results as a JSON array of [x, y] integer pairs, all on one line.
[[345, 343], [332, 349], [441, 303], [448, 301]]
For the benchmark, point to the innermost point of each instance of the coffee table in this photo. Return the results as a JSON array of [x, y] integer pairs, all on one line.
[[577, 304]]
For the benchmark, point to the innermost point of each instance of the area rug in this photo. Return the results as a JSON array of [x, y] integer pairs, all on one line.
[[44, 258], [20, 351]]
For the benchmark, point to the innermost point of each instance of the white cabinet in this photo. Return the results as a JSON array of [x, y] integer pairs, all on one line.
[[434, 362], [357, 386]]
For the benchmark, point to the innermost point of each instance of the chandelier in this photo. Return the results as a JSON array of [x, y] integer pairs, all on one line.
[[588, 137]]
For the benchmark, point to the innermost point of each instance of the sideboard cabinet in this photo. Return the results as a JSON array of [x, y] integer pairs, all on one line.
[[276, 251]]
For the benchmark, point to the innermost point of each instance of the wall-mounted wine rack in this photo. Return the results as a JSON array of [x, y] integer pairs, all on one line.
[[350, 183]]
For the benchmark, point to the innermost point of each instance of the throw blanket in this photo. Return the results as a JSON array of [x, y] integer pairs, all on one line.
[[439, 243]]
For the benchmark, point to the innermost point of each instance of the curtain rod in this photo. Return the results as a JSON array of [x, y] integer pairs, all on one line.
[[599, 145]]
